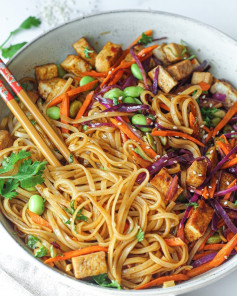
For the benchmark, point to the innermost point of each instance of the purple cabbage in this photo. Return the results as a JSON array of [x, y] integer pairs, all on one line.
[[204, 259], [127, 108], [231, 135], [233, 120], [214, 222], [219, 210], [233, 170], [99, 124], [219, 97], [129, 81], [155, 81], [194, 198], [224, 192]]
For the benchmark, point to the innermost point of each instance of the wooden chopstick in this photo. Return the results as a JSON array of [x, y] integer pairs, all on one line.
[[39, 117], [27, 125]]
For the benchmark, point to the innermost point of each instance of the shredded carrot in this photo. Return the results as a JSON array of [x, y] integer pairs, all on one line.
[[90, 73], [191, 120], [231, 112], [71, 93], [124, 128], [205, 193], [232, 143], [214, 247], [39, 220], [230, 163], [180, 232], [174, 241], [159, 281], [124, 137], [71, 254], [208, 192], [139, 160], [165, 107], [229, 236], [84, 106], [232, 184], [221, 256], [204, 86], [64, 110], [225, 148], [148, 33], [176, 134], [117, 76]]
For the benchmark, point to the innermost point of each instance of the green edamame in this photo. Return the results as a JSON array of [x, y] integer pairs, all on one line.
[[215, 239], [36, 204], [139, 119], [133, 91], [87, 79], [227, 129], [114, 93], [136, 71], [74, 108], [53, 113], [129, 100], [215, 121], [219, 113]]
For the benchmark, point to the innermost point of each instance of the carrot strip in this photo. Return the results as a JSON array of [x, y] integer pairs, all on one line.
[[232, 184], [221, 256], [230, 163], [200, 255], [180, 232], [213, 247], [205, 193], [159, 281], [139, 160], [204, 86], [90, 73], [231, 112], [191, 120], [39, 220], [174, 241], [165, 107], [84, 106], [208, 192], [75, 253], [124, 137], [225, 148], [64, 110], [176, 134], [123, 127], [148, 33], [73, 92]]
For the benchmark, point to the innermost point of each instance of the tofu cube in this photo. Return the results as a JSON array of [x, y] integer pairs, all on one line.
[[226, 89], [195, 63], [165, 81], [47, 88], [174, 52], [46, 72], [202, 76], [162, 182], [75, 64], [5, 139], [89, 265], [85, 51], [181, 69], [226, 179], [211, 154], [107, 56], [160, 54], [137, 49], [196, 173], [198, 222]]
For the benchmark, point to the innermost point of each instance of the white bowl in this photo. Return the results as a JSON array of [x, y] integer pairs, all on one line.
[[123, 27]]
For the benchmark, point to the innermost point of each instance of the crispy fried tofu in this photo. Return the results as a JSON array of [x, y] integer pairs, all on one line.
[[196, 173], [180, 70], [32, 95], [174, 52], [75, 64], [198, 222], [136, 49], [89, 265], [107, 56], [195, 63], [5, 139], [162, 182], [85, 50], [226, 89], [211, 154], [165, 81], [202, 76], [46, 72], [226, 179], [160, 54], [47, 88]]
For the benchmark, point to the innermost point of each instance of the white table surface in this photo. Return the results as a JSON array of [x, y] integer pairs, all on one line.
[[220, 14]]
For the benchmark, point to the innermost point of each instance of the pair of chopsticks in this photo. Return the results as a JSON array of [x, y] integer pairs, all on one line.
[[25, 122]]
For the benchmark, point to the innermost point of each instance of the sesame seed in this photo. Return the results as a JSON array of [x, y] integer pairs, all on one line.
[[200, 175], [147, 147], [134, 129], [225, 203], [175, 161], [204, 96], [211, 152], [232, 132], [209, 186], [165, 160], [110, 72], [165, 155], [191, 190], [153, 167], [225, 257], [202, 125], [195, 173], [106, 113], [205, 102], [216, 181], [175, 127], [205, 136], [179, 93], [119, 123], [211, 105], [143, 55], [227, 183], [207, 194], [218, 132]]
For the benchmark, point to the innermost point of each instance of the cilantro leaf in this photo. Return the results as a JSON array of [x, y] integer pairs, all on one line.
[[71, 158], [30, 22], [32, 241], [86, 52], [80, 216], [194, 204], [140, 235], [9, 52], [208, 115], [8, 187], [9, 162], [102, 280], [145, 39], [115, 101], [41, 252]]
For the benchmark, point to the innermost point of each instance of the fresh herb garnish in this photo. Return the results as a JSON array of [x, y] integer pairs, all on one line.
[[140, 235], [26, 25], [205, 92], [41, 252], [115, 101], [87, 51], [71, 158], [79, 216], [235, 204], [194, 93], [191, 57], [32, 241], [208, 115], [84, 127], [66, 221], [28, 175], [194, 204], [173, 53], [145, 39], [33, 122], [102, 280]]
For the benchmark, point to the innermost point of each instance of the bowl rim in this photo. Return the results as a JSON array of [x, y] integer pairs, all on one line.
[[191, 285]]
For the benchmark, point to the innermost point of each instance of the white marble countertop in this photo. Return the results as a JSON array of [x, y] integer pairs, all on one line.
[[221, 15]]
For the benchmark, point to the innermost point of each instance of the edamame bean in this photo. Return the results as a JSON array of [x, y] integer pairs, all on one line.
[[36, 204], [136, 71], [74, 108], [215, 121], [215, 239], [133, 91], [129, 100], [114, 93], [53, 112], [61, 71], [87, 79], [219, 113], [227, 129], [139, 119]]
